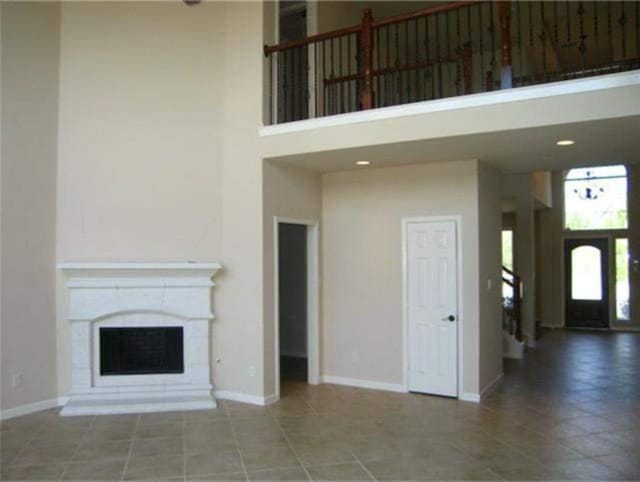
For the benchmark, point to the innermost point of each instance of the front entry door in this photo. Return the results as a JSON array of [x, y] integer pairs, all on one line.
[[586, 283], [432, 301]]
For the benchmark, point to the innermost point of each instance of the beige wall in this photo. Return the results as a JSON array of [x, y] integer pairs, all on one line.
[[549, 242], [158, 155], [30, 37], [490, 273], [362, 269], [291, 193]]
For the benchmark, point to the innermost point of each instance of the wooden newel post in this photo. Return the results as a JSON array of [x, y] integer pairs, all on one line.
[[506, 76], [366, 41]]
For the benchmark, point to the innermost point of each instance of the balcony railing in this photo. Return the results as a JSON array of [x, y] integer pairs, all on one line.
[[449, 50]]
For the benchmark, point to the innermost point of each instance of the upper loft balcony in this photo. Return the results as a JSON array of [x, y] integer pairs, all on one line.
[[445, 50]]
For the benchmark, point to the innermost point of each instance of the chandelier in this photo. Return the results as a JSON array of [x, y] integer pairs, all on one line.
[[590, 191]]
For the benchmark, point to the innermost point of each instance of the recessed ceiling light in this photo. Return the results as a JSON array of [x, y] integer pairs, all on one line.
[[363, 163], [565, 142]]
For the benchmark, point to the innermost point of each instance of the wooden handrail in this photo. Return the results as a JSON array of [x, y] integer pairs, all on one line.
[[374, 24], [423, 13], [310, 40]]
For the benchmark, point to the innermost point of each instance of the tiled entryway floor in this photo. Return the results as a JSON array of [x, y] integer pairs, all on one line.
[[570, 411]]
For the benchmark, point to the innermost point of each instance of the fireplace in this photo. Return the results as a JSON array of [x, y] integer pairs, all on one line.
[[139, 337], [141, 351]]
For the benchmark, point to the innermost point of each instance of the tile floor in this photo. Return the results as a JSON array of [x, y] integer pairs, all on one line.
[[570, 411]]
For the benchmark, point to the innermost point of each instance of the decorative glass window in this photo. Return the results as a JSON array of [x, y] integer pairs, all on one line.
[[596, 198], [622, 279], [586, 273]]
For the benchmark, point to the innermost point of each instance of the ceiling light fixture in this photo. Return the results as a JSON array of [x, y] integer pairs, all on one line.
[[565, 142], [363, 163]]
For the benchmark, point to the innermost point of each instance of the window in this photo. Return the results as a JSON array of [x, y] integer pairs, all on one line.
[[622, 279], [596, 198], [586, 273], [507, 249]]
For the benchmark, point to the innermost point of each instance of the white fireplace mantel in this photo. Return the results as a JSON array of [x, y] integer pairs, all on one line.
[[139, 295]]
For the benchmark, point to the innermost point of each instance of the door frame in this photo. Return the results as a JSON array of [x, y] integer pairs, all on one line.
[[406, 221], [313, 298], [586, 235]]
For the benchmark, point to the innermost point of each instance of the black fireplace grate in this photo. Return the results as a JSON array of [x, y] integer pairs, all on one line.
[[141, 351]]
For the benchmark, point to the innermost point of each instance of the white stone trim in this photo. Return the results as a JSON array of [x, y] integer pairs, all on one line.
[[139, 295]]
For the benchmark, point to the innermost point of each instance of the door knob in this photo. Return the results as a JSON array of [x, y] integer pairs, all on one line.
[[449, 318]]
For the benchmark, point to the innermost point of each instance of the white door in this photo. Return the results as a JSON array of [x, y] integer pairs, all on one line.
[[432, 301]]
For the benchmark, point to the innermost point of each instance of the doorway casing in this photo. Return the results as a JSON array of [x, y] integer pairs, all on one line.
[[313, 299]]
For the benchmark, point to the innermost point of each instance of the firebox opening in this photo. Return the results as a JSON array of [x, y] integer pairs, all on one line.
[[141, 351]]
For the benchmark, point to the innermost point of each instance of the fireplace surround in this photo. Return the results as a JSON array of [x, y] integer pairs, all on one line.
[[139, 312]]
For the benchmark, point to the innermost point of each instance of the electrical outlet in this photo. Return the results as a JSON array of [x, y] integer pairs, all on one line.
[[252, 371], [489, 284], [354, 356], [16, 380]]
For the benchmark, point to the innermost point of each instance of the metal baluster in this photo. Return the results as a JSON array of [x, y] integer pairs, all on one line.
[[530, 8], [596, 32], [387, 84], [448, 33], [637, 29], [325, 103], [582, 46], [377, 96], [417, 61], [332, 100], [398, 77], [285, 85], [427, 59], [481, 30], [610, 31], [406, 34], [340, 74], [519, 40], [543, 38], [623, 22], [271, 57], [458, 69], [438, 57], [492, 29], [293, 84], [470, 44], [315, 79], [556, 34]]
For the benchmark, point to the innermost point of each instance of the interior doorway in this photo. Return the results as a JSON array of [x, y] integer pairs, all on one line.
[[292, 288], [296, 301], [587, 283]]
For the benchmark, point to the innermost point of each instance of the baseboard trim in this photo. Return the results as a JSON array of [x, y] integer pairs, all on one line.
[[355, 382], [469, 397], [491, 386], [244, 397], [28, 408], [484, 392]]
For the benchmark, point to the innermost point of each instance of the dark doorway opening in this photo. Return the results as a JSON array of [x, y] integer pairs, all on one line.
[[292, 300], [587, 283]]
